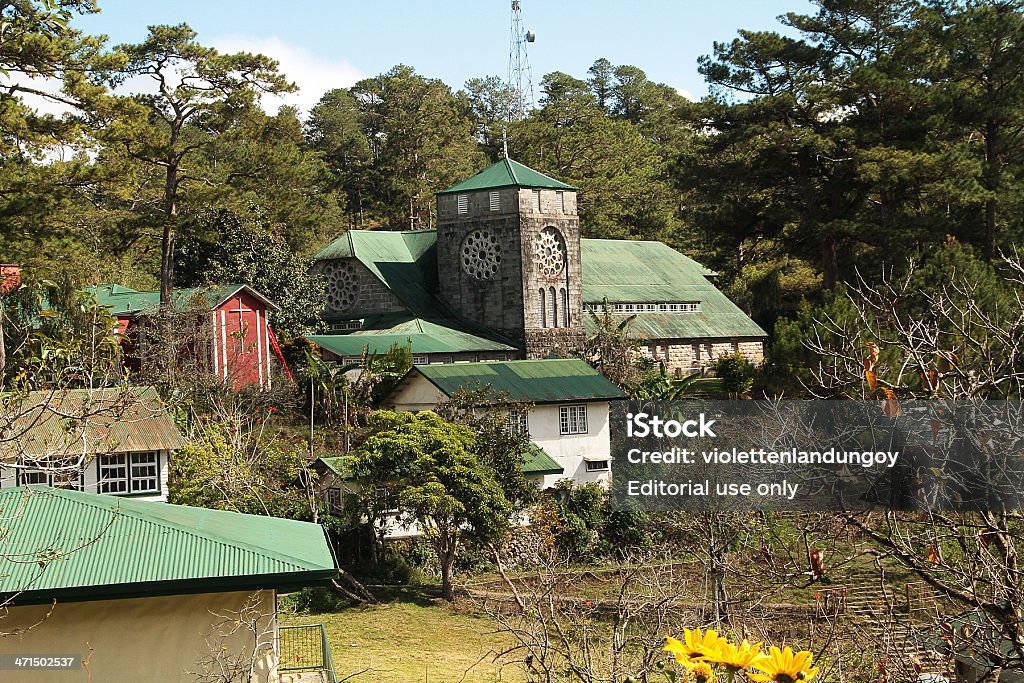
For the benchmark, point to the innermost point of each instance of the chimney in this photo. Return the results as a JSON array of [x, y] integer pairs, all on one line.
[[10, 278]]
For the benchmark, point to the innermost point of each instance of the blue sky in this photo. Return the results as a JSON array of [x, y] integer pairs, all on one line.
[[323, 44]]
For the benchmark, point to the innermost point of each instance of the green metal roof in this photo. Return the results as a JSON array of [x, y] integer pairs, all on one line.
[[81, 421], [623, 271], [406, 262], [108, 547], [506, 173], [423, 336], [554, 380], [126, 301], [631, 271], [537, 462]]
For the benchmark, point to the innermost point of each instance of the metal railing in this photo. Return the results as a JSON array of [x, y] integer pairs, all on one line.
[[305, 648]]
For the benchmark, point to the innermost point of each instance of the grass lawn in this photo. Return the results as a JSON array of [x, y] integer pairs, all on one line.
[[411, 638]]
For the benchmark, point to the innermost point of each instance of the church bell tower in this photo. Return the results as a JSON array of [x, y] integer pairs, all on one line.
[[508, 257]]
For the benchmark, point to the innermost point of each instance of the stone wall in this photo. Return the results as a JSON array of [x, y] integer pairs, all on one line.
[[372, 297], [507, 299], [691, 355]]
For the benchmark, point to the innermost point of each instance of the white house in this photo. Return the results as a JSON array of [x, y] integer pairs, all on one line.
[[567, 417], [116, 441]]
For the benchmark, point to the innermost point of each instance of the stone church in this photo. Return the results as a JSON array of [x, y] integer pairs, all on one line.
[[507, 275]]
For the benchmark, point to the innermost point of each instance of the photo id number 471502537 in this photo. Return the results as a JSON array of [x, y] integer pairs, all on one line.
[[34, 661]]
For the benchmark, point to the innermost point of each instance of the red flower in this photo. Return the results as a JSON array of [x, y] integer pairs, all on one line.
[[817, 596]]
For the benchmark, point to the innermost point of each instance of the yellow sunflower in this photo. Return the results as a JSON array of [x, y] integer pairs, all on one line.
[[694, 647], [701, 672], [783, 666], [738, 657]]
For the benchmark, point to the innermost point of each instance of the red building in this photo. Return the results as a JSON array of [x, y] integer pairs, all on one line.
[[232, 323]]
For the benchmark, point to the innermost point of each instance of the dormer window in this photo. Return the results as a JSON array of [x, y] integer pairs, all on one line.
[[495, 199], [463, 204]]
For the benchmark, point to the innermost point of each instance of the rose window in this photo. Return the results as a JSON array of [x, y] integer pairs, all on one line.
[[342, 285], [481, 254], [550, 252]]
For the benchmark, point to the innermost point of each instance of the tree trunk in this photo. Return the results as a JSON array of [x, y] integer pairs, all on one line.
[[992, 185], [169, 234], [447, 565]]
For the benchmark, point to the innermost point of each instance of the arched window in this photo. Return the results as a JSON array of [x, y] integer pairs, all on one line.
[[553, 317], [542, 317], [563, 300]]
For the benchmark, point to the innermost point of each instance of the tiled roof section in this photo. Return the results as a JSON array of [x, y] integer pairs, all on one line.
[[85, 422], [553, 380], [108, 547], [507, 173], [629, 271]]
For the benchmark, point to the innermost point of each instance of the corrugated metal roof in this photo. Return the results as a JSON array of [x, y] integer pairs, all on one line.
[[537, 462], [126, 301], [423, 336], [507, 173], [406, 262], [553, 380], [83, 422], [623, 271], [630, 271], [111, 547]]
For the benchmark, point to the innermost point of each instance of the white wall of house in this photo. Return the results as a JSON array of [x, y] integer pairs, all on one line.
[[573, 451], [142, 639], [133, 476], [416, 393]]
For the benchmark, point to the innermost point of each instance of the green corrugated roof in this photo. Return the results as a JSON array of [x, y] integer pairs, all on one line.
[[126, 301], [624, 271], [423, 336], [537, 462], [628, 271], [537, 381], [80, 421], [112, 547], [506, 173], [406, 262]]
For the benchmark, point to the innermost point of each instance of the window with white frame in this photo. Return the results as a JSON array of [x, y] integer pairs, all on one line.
[[536, 201], [420, 360], [518, 421], [462, 202], [572, 419], [597, 466], [495, 201], [445, 359], [113, 473], [129, 473], [59, 475], [334, 498], [145, 472]]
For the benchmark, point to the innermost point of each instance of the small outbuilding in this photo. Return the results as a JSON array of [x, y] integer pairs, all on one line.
[[142, 591], [116, 441]]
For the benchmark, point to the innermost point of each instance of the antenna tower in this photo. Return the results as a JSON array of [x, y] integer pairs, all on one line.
[[520, 78]]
